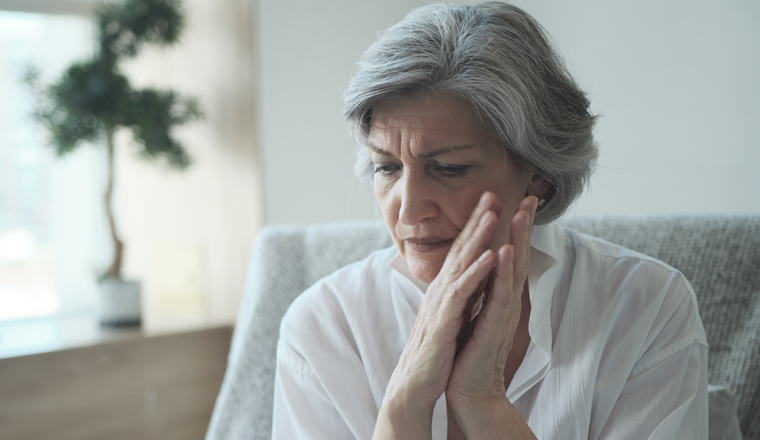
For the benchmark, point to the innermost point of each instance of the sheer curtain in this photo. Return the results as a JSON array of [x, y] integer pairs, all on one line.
[[50, 221]]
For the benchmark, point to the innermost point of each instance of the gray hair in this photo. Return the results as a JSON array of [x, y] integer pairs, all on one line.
[[499, 59]]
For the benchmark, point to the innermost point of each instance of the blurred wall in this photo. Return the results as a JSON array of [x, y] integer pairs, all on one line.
[[188, 234], [674, 81], [307, 53]]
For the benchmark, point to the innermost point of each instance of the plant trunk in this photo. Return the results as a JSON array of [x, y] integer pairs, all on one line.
[[118, 247]]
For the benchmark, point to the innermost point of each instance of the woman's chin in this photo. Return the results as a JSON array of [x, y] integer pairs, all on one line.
[[425, 268], [425, 261]]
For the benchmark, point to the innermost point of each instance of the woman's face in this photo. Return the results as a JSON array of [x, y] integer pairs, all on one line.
[[433, 161]]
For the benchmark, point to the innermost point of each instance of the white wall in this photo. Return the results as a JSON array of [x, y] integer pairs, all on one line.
[[675, 81], [677, 85], [307, 54]]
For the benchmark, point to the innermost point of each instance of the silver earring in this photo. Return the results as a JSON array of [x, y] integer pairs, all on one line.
[[541, 202]]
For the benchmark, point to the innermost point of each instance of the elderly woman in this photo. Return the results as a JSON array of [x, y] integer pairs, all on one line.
[[485, 320]]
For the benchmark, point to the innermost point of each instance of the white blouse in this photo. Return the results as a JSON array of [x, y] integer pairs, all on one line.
[[617, 348]]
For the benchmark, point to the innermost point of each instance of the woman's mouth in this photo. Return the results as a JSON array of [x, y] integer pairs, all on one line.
[[428, 244]]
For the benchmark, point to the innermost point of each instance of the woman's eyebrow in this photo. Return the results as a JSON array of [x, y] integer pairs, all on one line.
[[426, 155], [444, 150], [378, 150]]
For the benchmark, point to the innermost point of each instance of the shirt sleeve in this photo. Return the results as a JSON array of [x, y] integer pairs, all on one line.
[[302, 407]]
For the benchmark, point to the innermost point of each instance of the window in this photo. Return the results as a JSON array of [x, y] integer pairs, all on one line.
[[212, 211], [50, 226]]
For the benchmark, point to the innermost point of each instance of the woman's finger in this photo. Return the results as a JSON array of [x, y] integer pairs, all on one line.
[[504, 294], [459, 292], [501, 300], [473, 238], [472, 246], [520, 235]]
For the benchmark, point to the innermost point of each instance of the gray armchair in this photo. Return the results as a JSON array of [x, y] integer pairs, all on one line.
[[719, 255]]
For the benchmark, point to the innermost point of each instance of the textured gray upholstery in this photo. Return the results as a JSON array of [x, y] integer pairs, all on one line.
[[719, 255]]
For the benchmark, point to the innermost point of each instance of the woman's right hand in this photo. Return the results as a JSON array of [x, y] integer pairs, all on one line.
[[425, 366]]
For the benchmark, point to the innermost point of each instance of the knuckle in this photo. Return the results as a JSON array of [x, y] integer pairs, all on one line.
[[456, 267], [454, 289]]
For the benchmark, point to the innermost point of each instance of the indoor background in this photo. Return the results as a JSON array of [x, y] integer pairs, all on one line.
[[674, 82]]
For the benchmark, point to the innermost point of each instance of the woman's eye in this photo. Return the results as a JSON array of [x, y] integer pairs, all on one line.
[[449, 170], [386, 169]]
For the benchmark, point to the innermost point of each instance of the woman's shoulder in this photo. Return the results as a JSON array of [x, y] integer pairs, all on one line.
[[611, 273], [624, 295], [630, 282], [613, 260], [605, 249]]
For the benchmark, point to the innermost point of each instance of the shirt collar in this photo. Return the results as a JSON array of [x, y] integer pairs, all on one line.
[[398, 263], [547, 246]]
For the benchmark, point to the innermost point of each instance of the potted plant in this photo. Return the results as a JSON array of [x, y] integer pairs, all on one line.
[[93, 99]]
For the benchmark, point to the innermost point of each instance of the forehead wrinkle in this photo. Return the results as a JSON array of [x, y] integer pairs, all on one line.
[[385, 136], [431, 147], [398, 102], [378, 150], [427, 135], [417, 121]]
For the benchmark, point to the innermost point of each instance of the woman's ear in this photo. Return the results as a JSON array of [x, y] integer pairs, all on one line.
[[538, 186]]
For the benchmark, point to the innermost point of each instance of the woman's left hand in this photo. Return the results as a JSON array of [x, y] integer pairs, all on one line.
[[477, 378]]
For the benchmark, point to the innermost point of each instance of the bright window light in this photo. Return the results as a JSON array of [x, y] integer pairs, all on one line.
[[47, 209]]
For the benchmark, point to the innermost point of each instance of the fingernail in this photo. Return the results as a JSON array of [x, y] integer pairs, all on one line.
[[483, 199], [534, 207], [511, 253], [484, 257], [527, 221]]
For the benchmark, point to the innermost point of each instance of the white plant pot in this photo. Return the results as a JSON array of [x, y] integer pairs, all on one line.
[[119, 303]]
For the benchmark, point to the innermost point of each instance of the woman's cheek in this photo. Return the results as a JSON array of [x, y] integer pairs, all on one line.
[[384, 197], [467, 203], [381, 188]]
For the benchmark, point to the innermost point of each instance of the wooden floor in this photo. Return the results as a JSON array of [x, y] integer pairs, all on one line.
[[161, 387]]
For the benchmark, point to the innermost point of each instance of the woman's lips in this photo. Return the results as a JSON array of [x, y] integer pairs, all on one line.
[[428, 244]]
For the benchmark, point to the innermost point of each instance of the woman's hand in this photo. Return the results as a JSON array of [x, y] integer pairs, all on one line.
[[423, 371], [426, 367], [477, 377]]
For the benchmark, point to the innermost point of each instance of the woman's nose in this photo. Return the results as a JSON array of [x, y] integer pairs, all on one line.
[[417, 199]]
